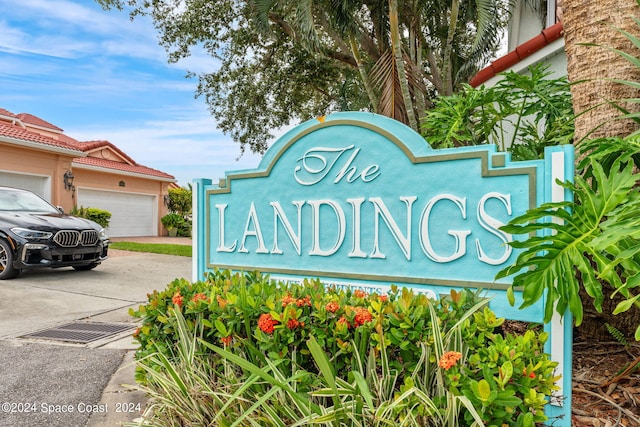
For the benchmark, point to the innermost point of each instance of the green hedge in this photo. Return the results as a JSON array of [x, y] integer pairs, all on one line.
[[99, 216]]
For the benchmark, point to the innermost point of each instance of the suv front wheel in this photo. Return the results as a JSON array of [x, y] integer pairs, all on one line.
[[7, 271]]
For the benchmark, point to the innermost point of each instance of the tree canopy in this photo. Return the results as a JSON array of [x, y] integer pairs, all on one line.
[[285, 61]]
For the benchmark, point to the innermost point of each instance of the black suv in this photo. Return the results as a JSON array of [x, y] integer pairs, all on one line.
[[35, 234]]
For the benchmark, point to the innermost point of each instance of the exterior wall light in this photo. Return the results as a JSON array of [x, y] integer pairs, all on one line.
[[68, 180]]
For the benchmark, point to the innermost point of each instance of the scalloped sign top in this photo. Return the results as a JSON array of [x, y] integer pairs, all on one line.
[[361, 198]]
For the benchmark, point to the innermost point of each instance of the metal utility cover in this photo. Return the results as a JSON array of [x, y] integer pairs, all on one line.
[[80, 332]]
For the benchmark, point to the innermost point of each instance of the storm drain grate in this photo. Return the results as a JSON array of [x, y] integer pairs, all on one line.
[[80, 332]]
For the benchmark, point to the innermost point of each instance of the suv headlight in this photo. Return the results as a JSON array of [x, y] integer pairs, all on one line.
[[102, 234], [31, 234]]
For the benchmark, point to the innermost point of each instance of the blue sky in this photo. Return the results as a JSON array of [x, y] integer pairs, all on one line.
[[99, 76]]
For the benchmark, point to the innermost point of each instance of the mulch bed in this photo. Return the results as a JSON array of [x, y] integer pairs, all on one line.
[[606, 385]]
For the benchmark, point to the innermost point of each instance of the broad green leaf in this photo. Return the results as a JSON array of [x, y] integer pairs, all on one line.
[[506, 372], [626, 304], [221, 328], [576, 236], [510, 296], [507, 399], [484, 391]]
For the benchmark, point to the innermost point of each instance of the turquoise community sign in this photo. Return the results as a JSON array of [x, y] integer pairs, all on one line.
[[361, 200]]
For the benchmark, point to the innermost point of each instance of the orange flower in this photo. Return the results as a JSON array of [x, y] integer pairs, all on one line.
[[266, 323], [301, 302], [177, 299], [362, 316], [221, 302], [226, 340], [530, 374], [449, 359], [359, 294], [332, 306], [343, 322], [384, 298], [199, 297], [287, 299], [293, 323]]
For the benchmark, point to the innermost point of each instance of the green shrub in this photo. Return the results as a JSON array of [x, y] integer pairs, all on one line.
[[172, 220], [251, 320], [521, 114], [99, 216], [179, 201], [177, 221]]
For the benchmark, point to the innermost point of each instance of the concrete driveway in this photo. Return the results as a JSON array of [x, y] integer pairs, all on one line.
[[52, 383]]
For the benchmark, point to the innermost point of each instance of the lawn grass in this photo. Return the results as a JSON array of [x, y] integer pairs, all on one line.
[[156, 248]]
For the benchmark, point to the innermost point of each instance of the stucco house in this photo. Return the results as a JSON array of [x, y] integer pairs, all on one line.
[[38, 156], [534, 36]]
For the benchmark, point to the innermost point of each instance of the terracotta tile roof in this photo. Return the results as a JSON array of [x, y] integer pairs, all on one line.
[[121, 167], [17, 132], [37, 121], [88, 146], [7, 113], [546, 37]]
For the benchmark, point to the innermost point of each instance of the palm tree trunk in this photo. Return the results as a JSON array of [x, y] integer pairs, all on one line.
[[373, 99], [447, 66], [396, 45], [590, 67], [588, 27]]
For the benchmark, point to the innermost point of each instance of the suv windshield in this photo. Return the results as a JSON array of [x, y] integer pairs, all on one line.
[[23, 201]]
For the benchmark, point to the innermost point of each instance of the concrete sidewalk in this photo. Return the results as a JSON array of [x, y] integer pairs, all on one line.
[[59, 382], [124, 401]]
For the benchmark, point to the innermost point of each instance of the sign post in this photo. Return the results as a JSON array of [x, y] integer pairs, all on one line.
[[361, 200]]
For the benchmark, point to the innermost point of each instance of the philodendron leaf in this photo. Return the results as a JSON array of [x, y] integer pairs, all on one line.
[[567, 246]]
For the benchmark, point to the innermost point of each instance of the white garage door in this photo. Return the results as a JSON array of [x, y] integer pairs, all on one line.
[[131, 214], [38, 184]]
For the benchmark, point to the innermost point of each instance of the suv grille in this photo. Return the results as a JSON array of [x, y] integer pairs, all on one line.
[[71, 238], [89, 237]]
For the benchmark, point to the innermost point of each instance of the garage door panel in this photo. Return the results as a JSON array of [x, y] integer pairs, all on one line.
[[131, 214], [37, 184]]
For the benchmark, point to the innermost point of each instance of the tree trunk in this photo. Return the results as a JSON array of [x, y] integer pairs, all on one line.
[[396, 46], [590, 68]]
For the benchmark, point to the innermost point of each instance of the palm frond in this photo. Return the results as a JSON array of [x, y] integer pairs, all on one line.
[[385, 79], [260, 10]]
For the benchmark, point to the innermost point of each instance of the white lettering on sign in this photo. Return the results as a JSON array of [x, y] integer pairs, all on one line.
[[279, 216], [334, 214], [315, 221], [222, 247], [460, 236], [318, 162], [492, 225]]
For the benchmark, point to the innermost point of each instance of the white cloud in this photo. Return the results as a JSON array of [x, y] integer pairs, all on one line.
[[100, 76], [67, 29]]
